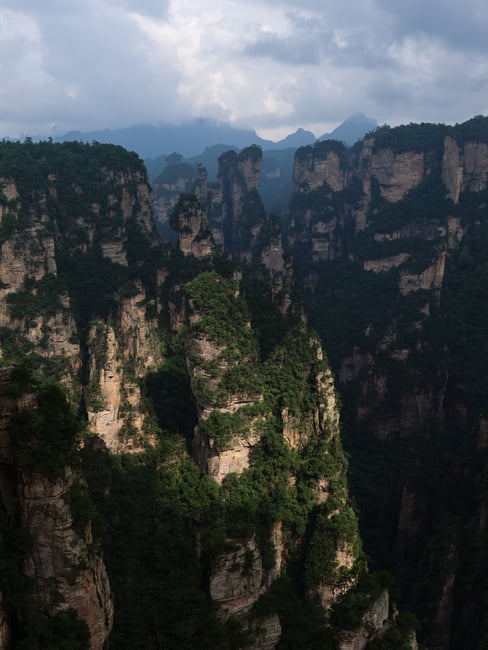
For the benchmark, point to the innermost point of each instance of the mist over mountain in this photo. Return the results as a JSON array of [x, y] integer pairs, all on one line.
[[189, 138], [193, 137]]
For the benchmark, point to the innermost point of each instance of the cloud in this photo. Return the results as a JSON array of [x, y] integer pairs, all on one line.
[[271, 65], [89, 62], [458, 25]]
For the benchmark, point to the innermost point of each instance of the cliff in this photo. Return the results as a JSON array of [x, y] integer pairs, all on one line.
[[206, 465], [59, 570], [265, 428], [384, 234], [236, 212], [76, 236], [67, 242], [189, 220], [178, 177]]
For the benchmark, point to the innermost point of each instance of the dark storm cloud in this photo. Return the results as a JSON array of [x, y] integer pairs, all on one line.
[[460, 25], [313, 41], [371, 28]]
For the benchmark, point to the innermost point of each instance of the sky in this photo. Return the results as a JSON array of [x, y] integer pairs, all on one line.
[[270, 65]]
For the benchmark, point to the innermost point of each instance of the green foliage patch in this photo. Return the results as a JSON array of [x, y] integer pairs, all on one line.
[[225, 316], [46, 436], [38, 298]]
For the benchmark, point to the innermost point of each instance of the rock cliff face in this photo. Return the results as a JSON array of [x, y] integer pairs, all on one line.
[[374, 624], [189, 220], [64, 254], [60, 568], [319, 164], [236, 212], [237, 581], [382, 233], [227, 433], [236, 396], [121, 355], [177, 178], [73, 220], [396, 174], [65, 574], [228, 217], [464, 167]]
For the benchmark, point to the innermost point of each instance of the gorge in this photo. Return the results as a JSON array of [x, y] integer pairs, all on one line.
[[172, 471]]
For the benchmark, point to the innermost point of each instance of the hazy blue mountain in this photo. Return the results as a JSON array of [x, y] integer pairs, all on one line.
[[156, 165], [352, 129], [193, 137], [189, 138], [300, 138]]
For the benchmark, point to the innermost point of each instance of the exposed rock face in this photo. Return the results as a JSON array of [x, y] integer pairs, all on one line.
[[233, 422], [249, 164], [30, 254], [238, 578], [385, 263], [232, 459], [176, 179], [397, 174], [208, 359], [78, 302], [65, 573], [375, 624], [229, 218], [119, 358], [329, 591], [317, 167], [475, 175], [52, 233], [190, 222], [201, 186], [327, 413], [241, 214], [278, 273], [409, 219], [428, 280], [270, 427], [223, 442], [452, 168], [464, 167], [374, 177], [64, 570]]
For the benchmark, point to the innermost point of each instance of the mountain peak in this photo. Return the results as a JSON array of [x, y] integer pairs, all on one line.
[[300, 138], [352, 129]]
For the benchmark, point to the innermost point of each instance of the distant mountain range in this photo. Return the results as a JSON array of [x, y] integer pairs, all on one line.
[[193, 137]]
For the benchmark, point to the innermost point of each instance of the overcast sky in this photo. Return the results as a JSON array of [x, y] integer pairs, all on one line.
[[272, 65]]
